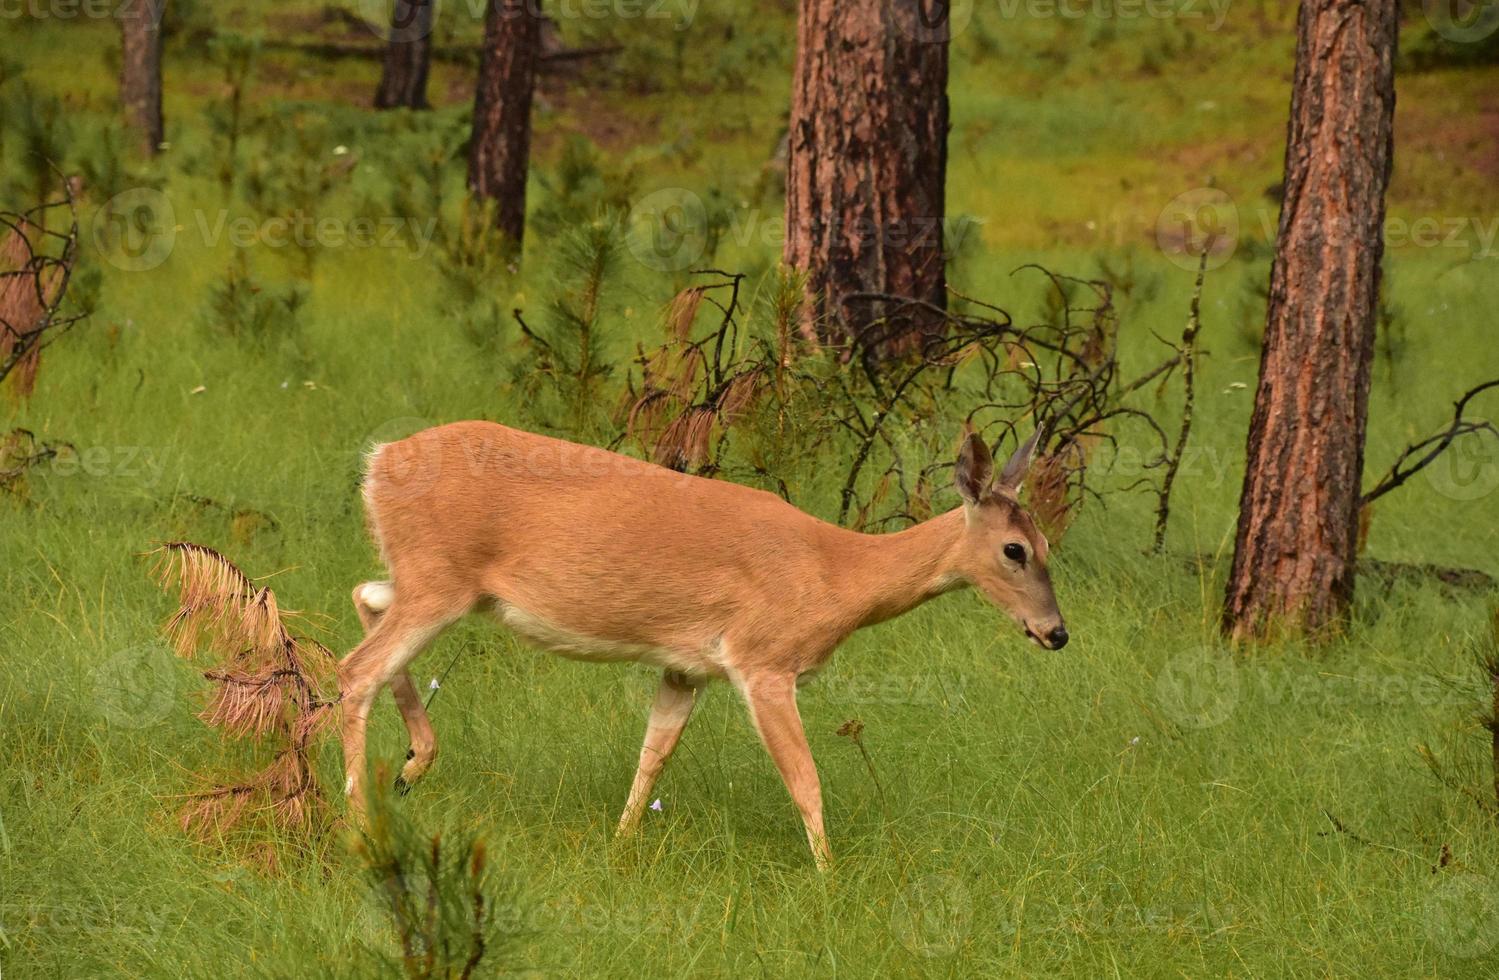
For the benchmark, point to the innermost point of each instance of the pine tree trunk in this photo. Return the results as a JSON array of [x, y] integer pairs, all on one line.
[[501, 144], [1297, 540], [140, 70], [868, 159], [403, 80]]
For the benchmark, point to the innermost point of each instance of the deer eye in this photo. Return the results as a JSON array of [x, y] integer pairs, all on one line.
[[1015, 553]]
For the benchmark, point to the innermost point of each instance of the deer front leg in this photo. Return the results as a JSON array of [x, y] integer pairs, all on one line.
[[673, 706], [772, 706]]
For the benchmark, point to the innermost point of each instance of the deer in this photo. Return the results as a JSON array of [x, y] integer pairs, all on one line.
[[598, 556]]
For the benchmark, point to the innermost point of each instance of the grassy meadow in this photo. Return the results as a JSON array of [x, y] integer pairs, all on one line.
[[1144, 803]]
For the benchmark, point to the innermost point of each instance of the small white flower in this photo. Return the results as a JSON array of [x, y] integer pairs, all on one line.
[[656, 805], [432, 685], [340, 150]]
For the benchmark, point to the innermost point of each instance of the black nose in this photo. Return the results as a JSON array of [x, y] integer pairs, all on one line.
[[1057, 638]]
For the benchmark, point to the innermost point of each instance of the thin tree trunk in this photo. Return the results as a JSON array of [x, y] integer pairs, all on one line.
[[865, 194], [501, 144], [140, 70], [1297, 538], [403, 80]]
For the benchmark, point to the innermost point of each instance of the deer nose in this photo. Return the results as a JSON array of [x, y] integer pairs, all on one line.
[[1057, 638]]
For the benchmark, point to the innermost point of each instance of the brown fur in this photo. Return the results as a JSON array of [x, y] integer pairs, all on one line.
[[601, 556]]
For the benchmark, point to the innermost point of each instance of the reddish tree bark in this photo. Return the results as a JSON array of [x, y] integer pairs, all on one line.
[[500, 148], [865, 194], [1297, 542], [140, 70], [403, 78]]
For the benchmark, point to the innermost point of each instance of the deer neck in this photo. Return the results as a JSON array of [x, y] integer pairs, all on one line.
[[880, 576]]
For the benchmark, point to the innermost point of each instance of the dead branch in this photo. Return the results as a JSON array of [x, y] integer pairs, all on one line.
[[692, 390], [1427, 450], [1339, 827], [36, 268], [236, 514], [1188, 354], [877, 389], [20, 451], [457, 54], [1391, 572]]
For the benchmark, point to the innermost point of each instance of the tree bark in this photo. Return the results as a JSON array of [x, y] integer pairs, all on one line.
[[865, 194], [140, 70], [500, 148], [1297, 539], [403, 80]]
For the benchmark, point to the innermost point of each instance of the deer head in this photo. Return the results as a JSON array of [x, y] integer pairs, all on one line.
[[1003, 553]]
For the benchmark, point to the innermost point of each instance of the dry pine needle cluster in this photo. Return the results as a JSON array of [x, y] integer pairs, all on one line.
[[268, 685]]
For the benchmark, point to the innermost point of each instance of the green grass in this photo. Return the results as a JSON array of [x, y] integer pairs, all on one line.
[[1121, 808]]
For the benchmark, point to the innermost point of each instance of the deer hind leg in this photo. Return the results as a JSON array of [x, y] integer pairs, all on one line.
[[772, 707], [675, 698], [418, 727], [371, 600], [398, 636]]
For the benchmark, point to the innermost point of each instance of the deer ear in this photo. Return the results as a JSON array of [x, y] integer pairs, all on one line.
[[1019, 464], [975, 469]]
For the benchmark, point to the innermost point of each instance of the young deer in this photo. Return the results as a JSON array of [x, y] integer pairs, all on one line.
[[597, 556]]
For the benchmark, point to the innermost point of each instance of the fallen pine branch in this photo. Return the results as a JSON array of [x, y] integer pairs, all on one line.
[[269, 686], [447, 54], [1390, 572]]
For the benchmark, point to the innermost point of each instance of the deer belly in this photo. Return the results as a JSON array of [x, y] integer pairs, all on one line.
[[578, 646]]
